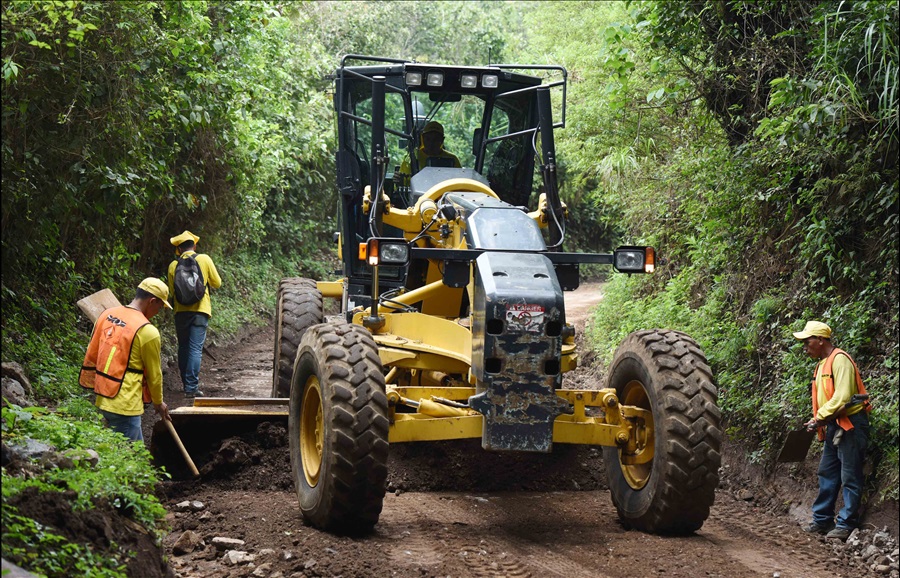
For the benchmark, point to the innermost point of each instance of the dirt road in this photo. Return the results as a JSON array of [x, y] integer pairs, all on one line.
[[454, 510]]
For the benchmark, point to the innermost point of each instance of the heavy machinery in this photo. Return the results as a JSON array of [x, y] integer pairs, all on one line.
[[452, 320]]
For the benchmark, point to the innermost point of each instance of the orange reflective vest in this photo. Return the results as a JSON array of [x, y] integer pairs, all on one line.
[[828, 383], [106, 360]]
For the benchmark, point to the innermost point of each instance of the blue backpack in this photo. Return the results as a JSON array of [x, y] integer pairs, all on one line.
[[189, 284]]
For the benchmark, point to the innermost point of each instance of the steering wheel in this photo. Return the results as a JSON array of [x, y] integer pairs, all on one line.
[[450, 185]]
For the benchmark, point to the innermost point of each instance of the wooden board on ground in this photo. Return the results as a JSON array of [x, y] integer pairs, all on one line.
[[94, 305]]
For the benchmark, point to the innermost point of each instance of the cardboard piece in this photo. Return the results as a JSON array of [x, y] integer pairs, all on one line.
[[796, 446], [94, 305]]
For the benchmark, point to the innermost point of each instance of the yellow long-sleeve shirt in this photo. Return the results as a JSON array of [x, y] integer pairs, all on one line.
[[422, 157], [844, 387]]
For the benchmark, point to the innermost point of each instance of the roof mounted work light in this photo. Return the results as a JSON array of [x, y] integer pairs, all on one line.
[[413, 78], [469, 81]]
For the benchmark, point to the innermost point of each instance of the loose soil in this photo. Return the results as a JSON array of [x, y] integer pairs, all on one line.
[[454, 510], [98, 528]]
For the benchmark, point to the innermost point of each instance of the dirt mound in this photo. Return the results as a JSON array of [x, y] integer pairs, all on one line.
[[102, 529]]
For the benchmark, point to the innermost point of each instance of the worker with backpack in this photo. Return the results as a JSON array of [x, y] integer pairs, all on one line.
[[191, 276]]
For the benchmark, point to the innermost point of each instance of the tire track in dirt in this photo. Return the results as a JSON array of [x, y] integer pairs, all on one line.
[[777, 546], [491, 536], [248, 376]]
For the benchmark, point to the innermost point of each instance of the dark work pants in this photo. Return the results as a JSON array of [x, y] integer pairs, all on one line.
[[842, 465]]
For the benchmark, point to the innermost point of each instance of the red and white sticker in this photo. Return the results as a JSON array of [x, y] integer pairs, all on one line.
[[526, 317]]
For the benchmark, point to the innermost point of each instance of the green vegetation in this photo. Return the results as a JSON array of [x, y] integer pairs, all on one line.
[[754, 144], [765, 172], [122, 477]]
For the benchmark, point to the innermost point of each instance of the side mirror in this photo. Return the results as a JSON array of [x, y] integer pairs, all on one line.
[[476, 141]]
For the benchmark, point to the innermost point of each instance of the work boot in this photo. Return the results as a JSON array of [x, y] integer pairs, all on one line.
[[193, 394], [839, 534], [814, 528]]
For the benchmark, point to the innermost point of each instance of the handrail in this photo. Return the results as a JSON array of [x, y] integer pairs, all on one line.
[[563, 82], [363, 57]]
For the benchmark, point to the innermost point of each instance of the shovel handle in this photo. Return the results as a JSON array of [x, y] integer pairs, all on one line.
[[184, 452], [855, 399]]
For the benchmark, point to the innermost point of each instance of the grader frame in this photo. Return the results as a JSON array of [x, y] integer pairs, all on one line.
[[452, 319]]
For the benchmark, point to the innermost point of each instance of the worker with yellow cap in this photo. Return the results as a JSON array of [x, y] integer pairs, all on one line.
[[122, 364], [844, 427], [192, 319], [431, 152]]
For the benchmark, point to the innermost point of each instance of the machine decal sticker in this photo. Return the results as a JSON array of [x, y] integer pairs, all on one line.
[[525, 317]]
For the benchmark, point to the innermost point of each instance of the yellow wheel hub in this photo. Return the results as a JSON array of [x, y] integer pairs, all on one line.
[[637, 475], [312, 431]]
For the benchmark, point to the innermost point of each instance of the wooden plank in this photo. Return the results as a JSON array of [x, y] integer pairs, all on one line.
[[94, 305]]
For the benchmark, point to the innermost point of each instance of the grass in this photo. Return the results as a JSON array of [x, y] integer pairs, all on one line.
[[122, 477]]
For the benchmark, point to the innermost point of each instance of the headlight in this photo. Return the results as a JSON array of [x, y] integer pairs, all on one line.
[[381, 251], [394, 253], [435, 79], [413, 78], [634, 259]]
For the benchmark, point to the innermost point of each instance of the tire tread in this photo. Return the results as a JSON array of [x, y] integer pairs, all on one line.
[[355, 477], [687, 398]]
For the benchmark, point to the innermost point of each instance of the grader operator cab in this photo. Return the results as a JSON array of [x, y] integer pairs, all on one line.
[[453, 322]]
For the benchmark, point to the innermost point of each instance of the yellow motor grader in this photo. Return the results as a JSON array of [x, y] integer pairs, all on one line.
[[452, 321]]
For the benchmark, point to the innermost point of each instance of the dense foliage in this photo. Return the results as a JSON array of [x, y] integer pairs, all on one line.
[[122, 477], [755, 144]]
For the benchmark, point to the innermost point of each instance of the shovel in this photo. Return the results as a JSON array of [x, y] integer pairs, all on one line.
[[796, 446]]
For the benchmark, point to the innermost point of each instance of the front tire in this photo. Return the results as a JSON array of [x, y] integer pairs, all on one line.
[[338, 428], [666, 373], [298, 307]]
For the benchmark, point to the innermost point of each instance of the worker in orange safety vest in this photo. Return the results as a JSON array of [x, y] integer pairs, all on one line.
[[843, 426], [122, 364]]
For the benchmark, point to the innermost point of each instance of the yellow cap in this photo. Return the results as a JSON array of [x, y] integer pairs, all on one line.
[[186, 236], [814, 329], [157, 288]]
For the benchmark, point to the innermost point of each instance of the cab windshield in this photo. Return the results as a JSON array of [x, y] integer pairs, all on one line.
[[508, 163]]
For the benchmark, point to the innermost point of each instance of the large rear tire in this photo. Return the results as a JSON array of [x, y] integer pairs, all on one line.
[[297, 308], [666, 373], [338, 428]]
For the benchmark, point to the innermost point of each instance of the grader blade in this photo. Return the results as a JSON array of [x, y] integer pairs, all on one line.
[[203, 426]]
